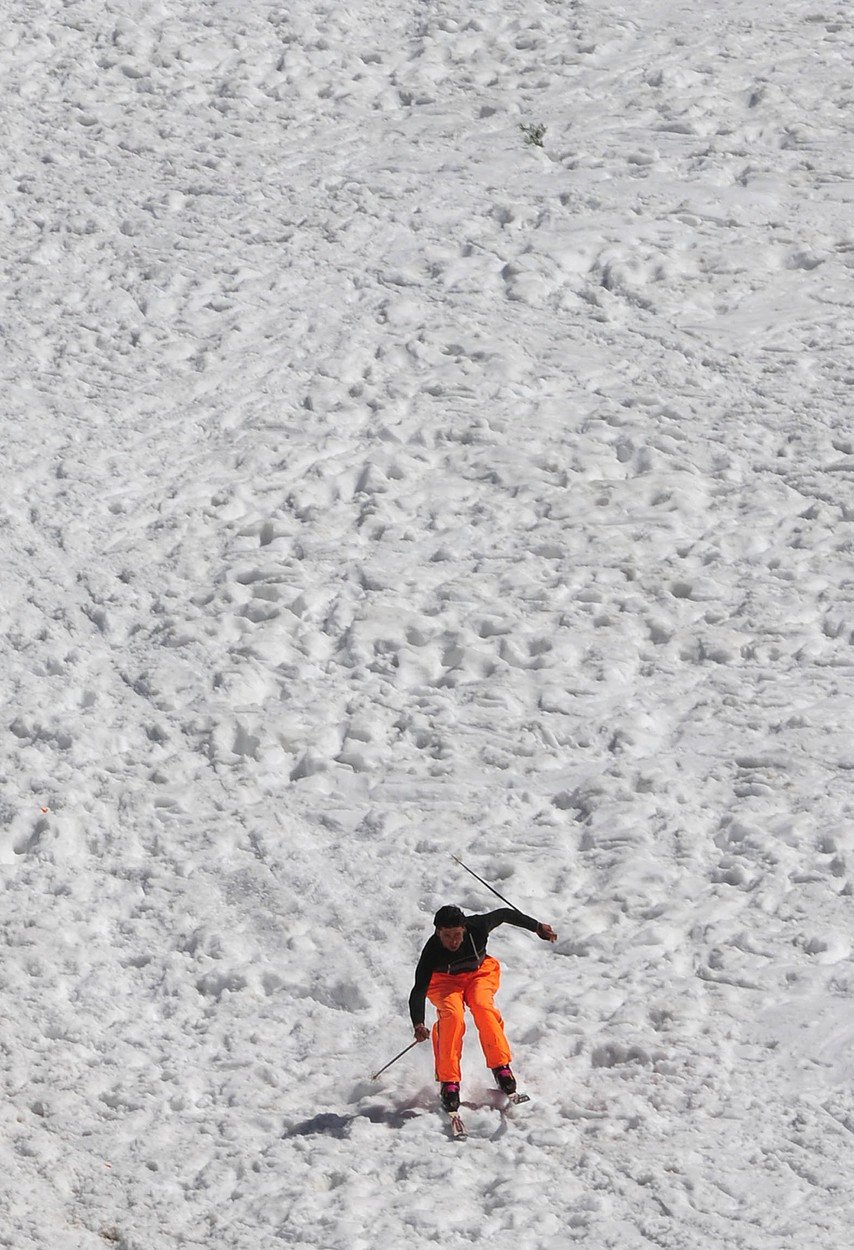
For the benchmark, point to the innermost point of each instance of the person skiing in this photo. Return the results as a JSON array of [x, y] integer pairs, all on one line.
[[455, 972]]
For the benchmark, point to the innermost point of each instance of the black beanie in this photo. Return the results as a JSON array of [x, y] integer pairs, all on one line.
[[448, 917]]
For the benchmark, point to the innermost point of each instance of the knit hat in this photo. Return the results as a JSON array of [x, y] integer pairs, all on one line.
[[449, 917]]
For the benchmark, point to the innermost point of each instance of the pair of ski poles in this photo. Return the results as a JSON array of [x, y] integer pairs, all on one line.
[[504, 900]]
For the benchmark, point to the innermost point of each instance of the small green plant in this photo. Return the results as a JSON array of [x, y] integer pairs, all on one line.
[[534, 133]]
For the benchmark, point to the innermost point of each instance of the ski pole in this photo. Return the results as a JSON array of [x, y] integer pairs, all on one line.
[[395, 1059], [486, 883]]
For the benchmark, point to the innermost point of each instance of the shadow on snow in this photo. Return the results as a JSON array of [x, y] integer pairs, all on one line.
[[330, 1124], [333, 1125]]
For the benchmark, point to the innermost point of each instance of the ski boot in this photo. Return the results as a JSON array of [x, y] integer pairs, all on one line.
[[450, 1095], [504, 1079]]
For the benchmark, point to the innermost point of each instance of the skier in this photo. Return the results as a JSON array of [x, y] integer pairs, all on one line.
[[455, 972]]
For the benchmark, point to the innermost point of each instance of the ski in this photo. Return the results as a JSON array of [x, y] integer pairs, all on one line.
[[459, 1132]]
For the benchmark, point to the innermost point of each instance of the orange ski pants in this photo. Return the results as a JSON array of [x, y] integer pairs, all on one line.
[[450, 995]]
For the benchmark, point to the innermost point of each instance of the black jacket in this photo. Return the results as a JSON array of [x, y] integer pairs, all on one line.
[[434, 957]]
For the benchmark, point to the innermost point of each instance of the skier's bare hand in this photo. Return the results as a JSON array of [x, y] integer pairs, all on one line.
[[546, 932], [421, 1032]]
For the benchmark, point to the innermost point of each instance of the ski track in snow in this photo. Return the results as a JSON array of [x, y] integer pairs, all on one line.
[[387, 478]]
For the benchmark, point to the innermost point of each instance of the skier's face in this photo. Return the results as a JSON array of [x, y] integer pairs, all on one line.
[[451, 939]]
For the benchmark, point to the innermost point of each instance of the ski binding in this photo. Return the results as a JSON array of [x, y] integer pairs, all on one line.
[[458, 1129]]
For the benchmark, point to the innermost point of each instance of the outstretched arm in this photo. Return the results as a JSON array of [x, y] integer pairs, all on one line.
[[509, 915], [418, 999]]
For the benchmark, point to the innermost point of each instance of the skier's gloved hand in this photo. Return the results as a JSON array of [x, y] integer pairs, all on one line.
[[421, 1032], [546, 932]]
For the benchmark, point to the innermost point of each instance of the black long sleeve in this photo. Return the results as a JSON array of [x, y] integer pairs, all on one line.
[[435, 958]]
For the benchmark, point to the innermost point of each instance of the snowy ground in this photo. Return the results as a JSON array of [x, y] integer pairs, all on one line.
[[387, 477]]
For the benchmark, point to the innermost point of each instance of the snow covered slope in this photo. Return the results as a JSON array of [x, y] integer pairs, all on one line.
[[427, 431]]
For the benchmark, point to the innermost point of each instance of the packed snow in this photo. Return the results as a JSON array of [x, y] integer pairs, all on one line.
[[427, 433]]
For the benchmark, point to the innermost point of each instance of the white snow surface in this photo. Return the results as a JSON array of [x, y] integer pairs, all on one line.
[[427, 431]]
